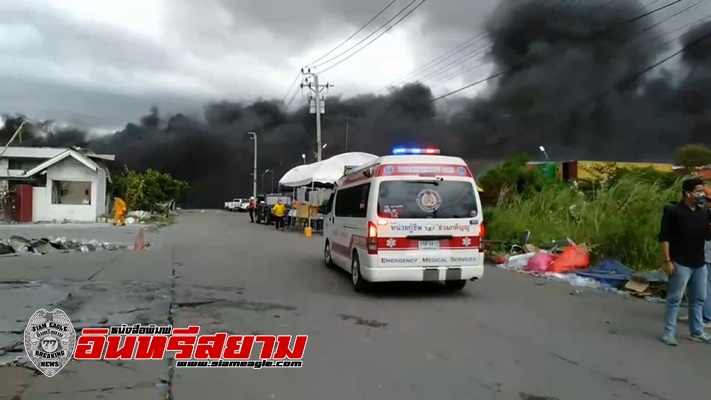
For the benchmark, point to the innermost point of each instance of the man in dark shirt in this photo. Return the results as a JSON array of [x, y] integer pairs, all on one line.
[[684, 231]]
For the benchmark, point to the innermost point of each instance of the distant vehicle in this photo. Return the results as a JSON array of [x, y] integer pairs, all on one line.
[[411, 216], [237, 205]]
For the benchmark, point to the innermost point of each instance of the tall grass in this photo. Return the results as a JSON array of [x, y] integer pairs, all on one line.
[[619, 220]]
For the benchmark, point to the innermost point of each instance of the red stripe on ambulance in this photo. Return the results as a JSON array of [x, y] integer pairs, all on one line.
[[345, 251], [400, 244], [423, 169]]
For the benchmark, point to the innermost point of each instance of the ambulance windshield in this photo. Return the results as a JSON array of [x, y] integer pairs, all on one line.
[[427, 199]]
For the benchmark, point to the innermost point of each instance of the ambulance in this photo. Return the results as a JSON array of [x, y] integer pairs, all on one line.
[[412, 216]]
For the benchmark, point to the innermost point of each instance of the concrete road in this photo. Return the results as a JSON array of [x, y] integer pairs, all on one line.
[[509, 336]]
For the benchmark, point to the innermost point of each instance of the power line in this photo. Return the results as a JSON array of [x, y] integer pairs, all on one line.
[[378, 37], [296, 93], [448, 77], [521, 65], [453, 64], [560, 5], [673, 15], [477, 65], [353, 35], [632, 78], [455, 50], [298, 74], [367, 37], [296, 79]]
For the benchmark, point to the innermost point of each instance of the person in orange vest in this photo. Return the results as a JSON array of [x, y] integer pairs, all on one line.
[[120, 211], [252, 207]]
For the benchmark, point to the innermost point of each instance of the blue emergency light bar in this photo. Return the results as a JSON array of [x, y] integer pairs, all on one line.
[[403, 150]]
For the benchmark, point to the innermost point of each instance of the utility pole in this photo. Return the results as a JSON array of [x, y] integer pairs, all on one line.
[[317, 89], [253, 136], [18, 132], [346, 149]]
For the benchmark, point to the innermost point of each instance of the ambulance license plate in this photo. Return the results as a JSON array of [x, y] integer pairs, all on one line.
[[429, 244]]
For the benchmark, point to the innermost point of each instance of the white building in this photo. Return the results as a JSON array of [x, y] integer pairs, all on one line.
[[68, 184]]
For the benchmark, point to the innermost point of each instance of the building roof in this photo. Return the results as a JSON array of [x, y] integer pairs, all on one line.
[[82, 158], [51, 152]]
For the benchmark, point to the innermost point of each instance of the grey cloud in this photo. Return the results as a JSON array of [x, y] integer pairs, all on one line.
[[65, 40], [291, 27], [92, 108]]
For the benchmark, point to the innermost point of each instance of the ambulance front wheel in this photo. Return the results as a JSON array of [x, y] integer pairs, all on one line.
[[359, 284], [455, 285]]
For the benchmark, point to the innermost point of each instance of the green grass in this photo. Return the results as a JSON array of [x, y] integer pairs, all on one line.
[[620, 220]]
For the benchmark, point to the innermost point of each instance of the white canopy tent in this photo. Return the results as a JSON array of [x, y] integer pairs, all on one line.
[[298, 176], [331, 170], [326, 172]]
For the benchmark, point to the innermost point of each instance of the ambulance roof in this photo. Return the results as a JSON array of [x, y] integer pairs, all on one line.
[[408, 165]]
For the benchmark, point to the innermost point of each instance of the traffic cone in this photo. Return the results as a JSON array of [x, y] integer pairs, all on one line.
[[140, 241]]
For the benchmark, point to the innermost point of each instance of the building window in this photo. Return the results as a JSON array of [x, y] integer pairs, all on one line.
[[71, 193]]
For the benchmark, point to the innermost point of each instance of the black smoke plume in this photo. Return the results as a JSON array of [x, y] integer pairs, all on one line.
[[570, 83]]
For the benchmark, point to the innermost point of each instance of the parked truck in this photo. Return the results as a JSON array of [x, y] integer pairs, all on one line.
[[237, 205]]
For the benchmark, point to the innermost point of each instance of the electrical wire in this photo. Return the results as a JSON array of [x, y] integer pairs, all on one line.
[[458, 72], [336, 48], [560, 5], [481, 52], [448, 77], [451, 52], [626, 81], [421, 69], [367, 37], [296, 79], [377, 37], [293, 97], [353, 35], [521, 65], [630, 79]]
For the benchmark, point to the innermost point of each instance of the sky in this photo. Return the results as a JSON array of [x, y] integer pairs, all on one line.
[[103, 63]]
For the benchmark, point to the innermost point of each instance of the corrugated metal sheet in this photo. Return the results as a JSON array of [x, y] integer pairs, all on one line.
[[33, 152], [47, 153]]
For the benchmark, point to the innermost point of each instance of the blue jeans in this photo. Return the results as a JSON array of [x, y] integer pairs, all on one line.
[[697, 281], [707, 304]]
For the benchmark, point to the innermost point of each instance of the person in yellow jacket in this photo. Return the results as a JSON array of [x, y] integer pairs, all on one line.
[[120, 211], [279, 211]]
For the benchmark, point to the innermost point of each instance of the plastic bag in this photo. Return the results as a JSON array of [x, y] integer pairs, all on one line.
[[540, 262], [518, 261], [573, 257]]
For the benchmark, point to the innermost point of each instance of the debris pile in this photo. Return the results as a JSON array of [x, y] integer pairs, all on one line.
[[18, 245], [567, 261], [138, 217]]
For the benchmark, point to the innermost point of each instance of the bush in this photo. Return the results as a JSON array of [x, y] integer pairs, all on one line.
[[619, 219], [692, 156], [512, 173], [147, 191]]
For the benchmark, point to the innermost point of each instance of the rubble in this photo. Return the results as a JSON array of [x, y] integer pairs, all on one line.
[[18, 245], [140, 215]]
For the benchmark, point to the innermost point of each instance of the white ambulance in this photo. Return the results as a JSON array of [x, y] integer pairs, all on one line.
[[411, 216]]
